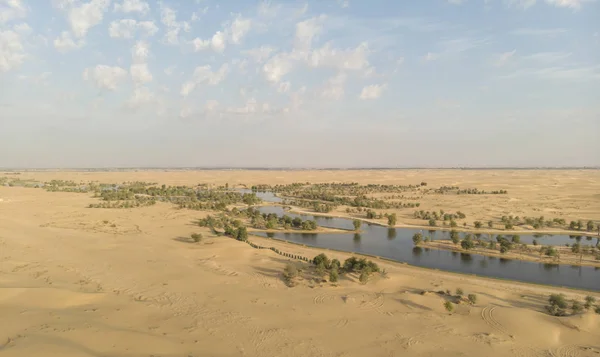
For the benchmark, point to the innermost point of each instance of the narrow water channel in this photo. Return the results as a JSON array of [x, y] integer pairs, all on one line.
[[396, 244]]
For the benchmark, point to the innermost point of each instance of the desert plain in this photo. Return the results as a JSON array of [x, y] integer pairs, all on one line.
[[76, 281]]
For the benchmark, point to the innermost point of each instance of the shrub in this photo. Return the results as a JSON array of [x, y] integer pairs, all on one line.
[[453, 224], [535, 242], [503, 249], [477, 224], [467, 244], [454, 237], [392, 219], [459, 292], [333, 276], [322, 259], [242, 234], [589, 301], [597, 309], [449, 306], [289, 273], [356, 224], [364, 276], [472, 298], [558, 300], [196, 237], [576, 307], [335, 264], [556, 311], [516, 239], [417, 238], [321, 270]]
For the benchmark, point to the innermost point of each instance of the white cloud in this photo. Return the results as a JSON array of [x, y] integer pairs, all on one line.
[[572, 4], [239, 29], [86, 16], [430, 56], [128, 6], [23, 29], [307, 30], [105, 77], [259, 54], [528, 31], [351, 59], [11, 10], [218, 42], [141, 96], [200, 45], [140, 73], [168, 17], [204, 74], [548, 57], [373, 91], [334, 87], [523, 4], [284, 87], [127, 28], [140, 52], [277, 67], [65, 42], [12, 53], [503, 58]]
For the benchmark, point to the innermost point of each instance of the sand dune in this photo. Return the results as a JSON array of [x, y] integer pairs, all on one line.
[[73, 285]]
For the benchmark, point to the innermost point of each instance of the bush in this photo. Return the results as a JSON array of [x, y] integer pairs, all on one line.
[[477, 224], [417, 238], [535, 242], [459, 292], [589, 301], [576, 307], [467, 244], [516, 238], [333, 276], [556, 311], [392, 219], [322, 259], [432, 222], [335, 264], [472, 298], [503, 249], [242, 234], [196, 237], [364, 276], [454, 237], [558, 300], [449, 306], [453, 224], [356, 224], [321, 269], [289, 273], [597, 309]]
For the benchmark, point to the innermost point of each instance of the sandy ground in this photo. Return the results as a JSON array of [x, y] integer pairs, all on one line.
[[116, 282]]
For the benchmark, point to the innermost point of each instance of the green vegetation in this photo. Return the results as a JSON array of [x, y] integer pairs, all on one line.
[[467, 243], [356, 224], [454, 237], [472, 298], [290, 272], [449, 306], [557, 305], [196, 237], [459, 292], [417, 238], [392, 219]]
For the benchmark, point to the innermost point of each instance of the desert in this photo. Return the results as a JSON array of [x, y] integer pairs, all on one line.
[[132, 281]]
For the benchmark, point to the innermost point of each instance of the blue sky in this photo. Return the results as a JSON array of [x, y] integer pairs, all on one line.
[[329, 83]]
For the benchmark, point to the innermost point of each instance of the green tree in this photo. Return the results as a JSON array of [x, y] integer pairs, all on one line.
[[432, 222], [322, 259], [590, 226], [467, 243], [356, 224], [454, 237], [459, 292], [392, 220], [453, 224], [242, 234], [333, 275], [472, 298], [417, 238], [516, 238]]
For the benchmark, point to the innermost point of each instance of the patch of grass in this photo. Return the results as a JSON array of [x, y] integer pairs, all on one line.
[[472, 298], [196, 237], [449, 306]]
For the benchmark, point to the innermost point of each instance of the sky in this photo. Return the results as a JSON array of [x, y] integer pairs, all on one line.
[[327, 83]]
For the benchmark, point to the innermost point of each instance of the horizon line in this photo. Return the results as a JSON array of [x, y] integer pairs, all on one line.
[[307, 168]]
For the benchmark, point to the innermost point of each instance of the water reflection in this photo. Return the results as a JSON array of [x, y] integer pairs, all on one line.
[[396, 244], [391, 233]]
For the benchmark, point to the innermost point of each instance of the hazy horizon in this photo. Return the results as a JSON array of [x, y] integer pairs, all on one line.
[[317, 84]]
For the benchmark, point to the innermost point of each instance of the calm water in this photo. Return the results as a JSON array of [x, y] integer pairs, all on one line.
[[396, 244]]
